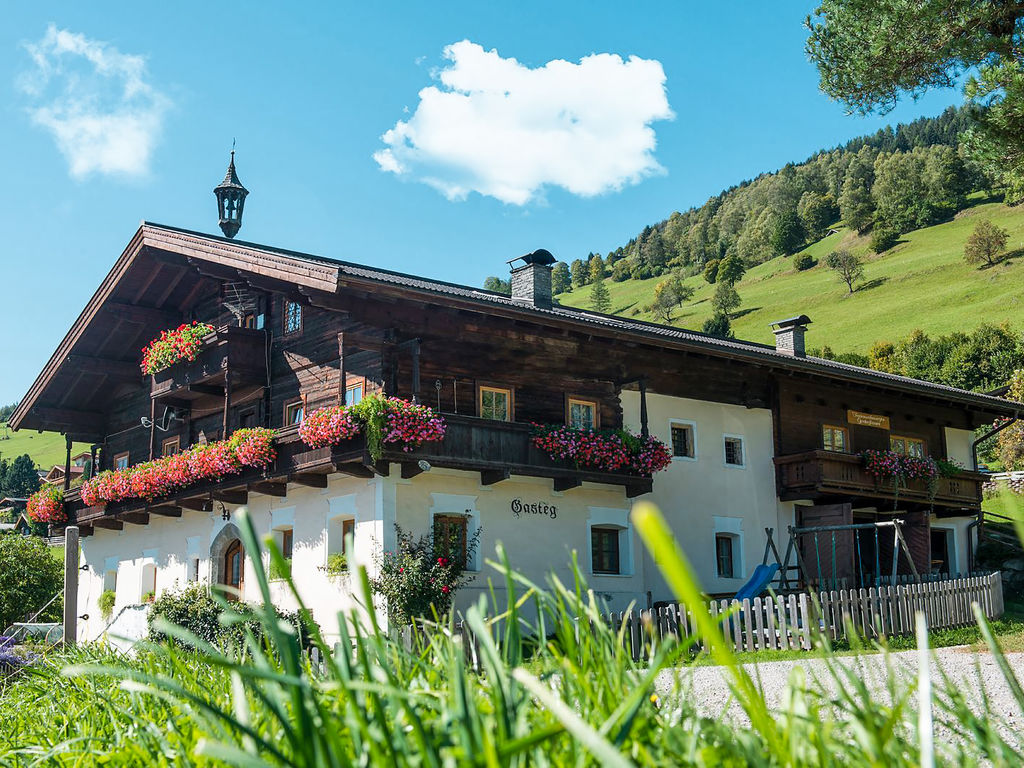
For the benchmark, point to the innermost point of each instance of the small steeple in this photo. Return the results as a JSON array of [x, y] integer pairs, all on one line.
[[230, 199]]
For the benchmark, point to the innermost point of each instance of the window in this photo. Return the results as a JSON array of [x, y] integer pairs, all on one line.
[[835, 438], [353, 393], [121, 461], [247, 418], [581, 414], [495, 403], [171, 446], [724, 560], [682, 441], [286, 543], [348, 530], [193, 572], [234, 565], [734, 451], [604, 550], [907, 446], [293, 413], [450, 537], [292, 317]]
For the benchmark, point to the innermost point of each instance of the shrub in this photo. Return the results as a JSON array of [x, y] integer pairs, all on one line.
[[718, 325], [106, 603], [419, 578], [29, 577], [883, 238], [337, 563], [803, 261], [211, 618]]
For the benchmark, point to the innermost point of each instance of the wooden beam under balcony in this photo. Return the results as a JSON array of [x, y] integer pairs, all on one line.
[[108, 522], [308, 479], [85, 530], [355, 469], [639, 489], [136, 518], [239, 496], [492, 476], [280, 490], [567, 483], [411, 469], [197, 504], [166, 510]]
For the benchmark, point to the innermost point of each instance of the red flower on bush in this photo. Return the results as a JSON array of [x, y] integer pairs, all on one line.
[[384, 420], [182, 343], [328, 426], [604, 450], [47, 505], [152, 479]]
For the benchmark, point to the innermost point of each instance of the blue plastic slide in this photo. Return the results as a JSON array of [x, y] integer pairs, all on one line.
[[758, 582]]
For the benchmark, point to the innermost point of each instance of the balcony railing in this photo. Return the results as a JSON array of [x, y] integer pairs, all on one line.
[[828, 474], [495, 449], [238, 353]]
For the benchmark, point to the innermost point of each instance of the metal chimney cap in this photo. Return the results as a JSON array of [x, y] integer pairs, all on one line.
[[791, 322], [541, 256]]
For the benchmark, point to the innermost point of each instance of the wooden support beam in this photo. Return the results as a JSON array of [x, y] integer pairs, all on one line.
[[140, 315], [67, 463], [71, 573], [115, 369], [342, 374], [136, 518], [280, 490], [85, 421], [410, 469], [638, 489], [166, 510], [492, 476], [644, 431], [200, 504], [355, 469], [240, 496], [207, 389], [309, 480], [84, 530], [415, 370], [567, 483], [108, 522]]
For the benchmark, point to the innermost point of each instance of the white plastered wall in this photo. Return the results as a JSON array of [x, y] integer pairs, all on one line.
[[692, 493], [958, 446]]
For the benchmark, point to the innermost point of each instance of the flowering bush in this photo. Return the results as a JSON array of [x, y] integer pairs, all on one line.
[[419, 579], [160, 477], [328, 426], [47, 505], [182, 343], [384, 420], [605, 450]]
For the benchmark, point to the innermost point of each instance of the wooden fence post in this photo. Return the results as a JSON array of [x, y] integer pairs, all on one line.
[[71, 585]]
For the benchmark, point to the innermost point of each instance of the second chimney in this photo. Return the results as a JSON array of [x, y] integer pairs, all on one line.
[[531, 281], [789, 335]]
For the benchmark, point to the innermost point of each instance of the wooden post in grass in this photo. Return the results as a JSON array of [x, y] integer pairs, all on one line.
[[71, 585]]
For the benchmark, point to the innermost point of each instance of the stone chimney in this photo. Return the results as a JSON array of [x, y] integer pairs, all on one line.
[[531, 281], [789, 335]]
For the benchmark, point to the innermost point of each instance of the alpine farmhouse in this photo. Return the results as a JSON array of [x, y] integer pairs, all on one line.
[[761, 437]]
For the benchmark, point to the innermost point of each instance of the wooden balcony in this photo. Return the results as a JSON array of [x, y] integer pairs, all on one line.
[[829, 476], [230, 357], [497, 450]]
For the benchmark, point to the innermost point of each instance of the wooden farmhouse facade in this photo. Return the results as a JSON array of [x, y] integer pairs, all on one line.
[[762, 437]]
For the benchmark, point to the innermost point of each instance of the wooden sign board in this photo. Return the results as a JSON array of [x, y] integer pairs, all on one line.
[[867, 419]]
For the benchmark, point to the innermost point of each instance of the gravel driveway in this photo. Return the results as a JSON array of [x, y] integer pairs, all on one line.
[[708, 688]]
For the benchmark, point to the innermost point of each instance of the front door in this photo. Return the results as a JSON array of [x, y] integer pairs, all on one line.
[[234, 566]]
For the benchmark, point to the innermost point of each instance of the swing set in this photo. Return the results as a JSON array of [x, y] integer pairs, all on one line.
[[832, 578]]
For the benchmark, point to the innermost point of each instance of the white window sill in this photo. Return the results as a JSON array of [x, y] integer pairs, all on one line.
[[684, 458], [612, 575]]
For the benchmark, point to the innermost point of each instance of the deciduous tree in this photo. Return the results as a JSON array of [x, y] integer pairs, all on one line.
[[669, 294], [560, 279], [29, 577], [847, 266], [498, 285], [725, 300], [732, 269], [986, 243], [579, 274]]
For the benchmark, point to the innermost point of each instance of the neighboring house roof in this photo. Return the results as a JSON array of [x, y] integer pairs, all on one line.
[[316, 273]]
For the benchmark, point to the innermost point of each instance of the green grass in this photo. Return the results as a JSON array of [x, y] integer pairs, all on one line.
[[45, 448], [922, 282]]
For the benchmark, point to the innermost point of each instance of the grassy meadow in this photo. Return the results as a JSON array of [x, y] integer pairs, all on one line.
[[923, 282], [45, 448], [578, 699]]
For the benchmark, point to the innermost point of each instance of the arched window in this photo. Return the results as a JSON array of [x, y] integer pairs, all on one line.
[[234, 565]]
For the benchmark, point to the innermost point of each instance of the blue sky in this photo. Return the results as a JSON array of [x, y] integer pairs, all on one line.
[[111, 113]]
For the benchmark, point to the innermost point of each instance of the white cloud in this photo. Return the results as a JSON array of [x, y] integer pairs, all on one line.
[[95, 102], [499, 128]]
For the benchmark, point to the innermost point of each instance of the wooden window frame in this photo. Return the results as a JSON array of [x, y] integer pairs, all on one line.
[[348, 525], [907, 440], [353, 385], [462, 521], [570, 400], [126, 455], [285, 420], [613, 533], [176, 441], [846, 437], [284, 318], [509, 391], [731, 540], [683, 424], [743, 451], [287, 543]]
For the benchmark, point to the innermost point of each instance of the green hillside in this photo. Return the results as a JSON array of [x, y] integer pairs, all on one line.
[[922, 282], [46, 449]]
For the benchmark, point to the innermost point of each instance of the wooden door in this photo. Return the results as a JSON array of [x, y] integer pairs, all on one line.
[[234, 566]]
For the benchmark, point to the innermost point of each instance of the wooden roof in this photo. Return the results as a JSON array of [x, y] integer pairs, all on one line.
[[164, 271]]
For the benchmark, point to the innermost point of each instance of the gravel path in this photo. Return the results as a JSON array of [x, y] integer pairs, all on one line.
[[708, 688]]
